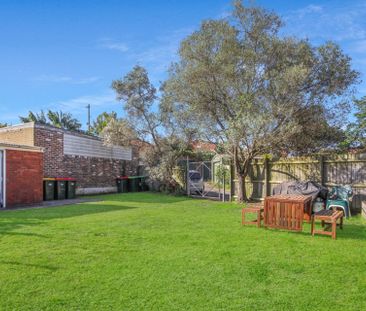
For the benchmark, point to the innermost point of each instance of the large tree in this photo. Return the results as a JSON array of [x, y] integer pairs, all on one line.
[[356, 130], [242, 85]]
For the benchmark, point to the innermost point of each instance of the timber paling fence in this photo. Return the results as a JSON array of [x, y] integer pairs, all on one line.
[[327, 170]]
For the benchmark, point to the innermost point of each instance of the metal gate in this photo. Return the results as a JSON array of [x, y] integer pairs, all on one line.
[[206, 179]]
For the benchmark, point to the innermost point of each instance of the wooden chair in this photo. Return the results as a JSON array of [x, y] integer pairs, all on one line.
[[257, 209]]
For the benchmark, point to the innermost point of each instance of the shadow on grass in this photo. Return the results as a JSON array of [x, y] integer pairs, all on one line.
[[349, 231], [16, 263], [144, 197], [17, 219], [14, 220]]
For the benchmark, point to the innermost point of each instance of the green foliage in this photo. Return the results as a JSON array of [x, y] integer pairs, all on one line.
[[55, 118], [63, 120], [39, 118], [138, 96], [118, 132], [3, 125], [240, 83], [102, 121], [356, 131], [162, 147], [144, 251], [222, 174]]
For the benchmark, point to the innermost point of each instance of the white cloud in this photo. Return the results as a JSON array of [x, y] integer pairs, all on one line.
[[162, 52], [311, 8], [53, 78], [358, 46], [65, 79], [79, 103], [331, 22], [86, 80], [112, 44]]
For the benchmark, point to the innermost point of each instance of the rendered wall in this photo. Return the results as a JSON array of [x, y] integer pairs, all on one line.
[[18, 135]]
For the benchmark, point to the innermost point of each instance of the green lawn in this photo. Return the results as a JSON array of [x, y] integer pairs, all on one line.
[[155, 252]]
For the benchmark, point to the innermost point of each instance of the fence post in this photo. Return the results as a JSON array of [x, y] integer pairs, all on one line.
[[187, 176], [232, 184], [267, 177], [322, 175]]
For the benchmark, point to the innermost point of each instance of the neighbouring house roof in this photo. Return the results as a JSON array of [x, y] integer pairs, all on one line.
[[198, 145]]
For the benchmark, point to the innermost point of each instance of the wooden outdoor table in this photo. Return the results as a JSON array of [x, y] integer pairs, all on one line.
[[287, 211]]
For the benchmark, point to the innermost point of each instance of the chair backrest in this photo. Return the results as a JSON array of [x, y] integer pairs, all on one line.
[[341, 193]]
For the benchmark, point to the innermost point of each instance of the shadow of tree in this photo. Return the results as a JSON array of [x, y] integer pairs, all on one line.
[[18, 219], [16, 263], [146, 197]]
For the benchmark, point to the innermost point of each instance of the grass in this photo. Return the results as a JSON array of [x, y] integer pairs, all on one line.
[[154, 252]]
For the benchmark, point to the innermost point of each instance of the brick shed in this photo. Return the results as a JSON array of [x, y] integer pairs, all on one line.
[[77, 155], [21, 173]]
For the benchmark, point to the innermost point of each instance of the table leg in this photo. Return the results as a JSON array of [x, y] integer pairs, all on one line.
[[334, 229], [312, 225]]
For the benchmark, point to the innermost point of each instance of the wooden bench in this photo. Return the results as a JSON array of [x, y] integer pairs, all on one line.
[[252, 209], [286, 211], [328, 218]]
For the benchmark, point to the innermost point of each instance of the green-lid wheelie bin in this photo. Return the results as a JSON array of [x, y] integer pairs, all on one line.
[[48, 189], [133, 183], [61, 188], [143, 183], [122, 184], [71, 188]]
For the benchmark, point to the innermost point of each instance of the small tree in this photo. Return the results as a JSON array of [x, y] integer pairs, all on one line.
[[35, 117], [63, 120], [3, 125], [241, 85], [59, 119], [102, 121], [162, 147], [118, 132]]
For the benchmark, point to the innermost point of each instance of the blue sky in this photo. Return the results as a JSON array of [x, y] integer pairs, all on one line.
[[63, 55]]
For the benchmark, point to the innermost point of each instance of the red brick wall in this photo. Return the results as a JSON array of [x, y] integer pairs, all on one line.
[[89, 172], [23, 177]]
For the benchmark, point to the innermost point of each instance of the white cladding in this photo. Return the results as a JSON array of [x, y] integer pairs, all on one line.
[[89, 147]]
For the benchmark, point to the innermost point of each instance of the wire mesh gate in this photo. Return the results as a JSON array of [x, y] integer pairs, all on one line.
[[207, 179]]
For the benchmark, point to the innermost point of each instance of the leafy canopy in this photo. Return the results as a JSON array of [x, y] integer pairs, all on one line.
[[356, 130], [242, 85], [59, 119], [102, 121]]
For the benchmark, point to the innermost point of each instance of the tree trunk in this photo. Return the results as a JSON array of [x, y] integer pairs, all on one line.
[[241, 171], [240, 189]]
